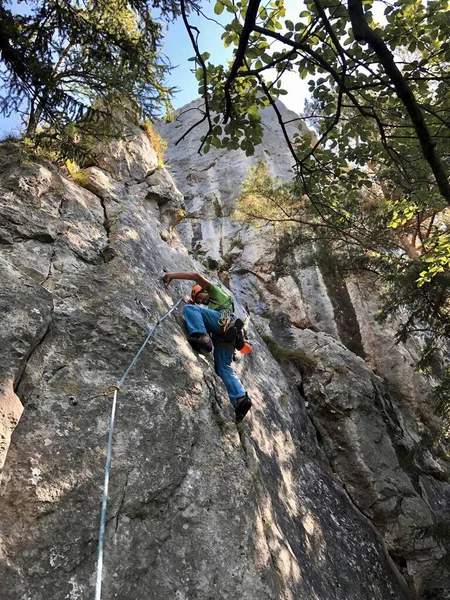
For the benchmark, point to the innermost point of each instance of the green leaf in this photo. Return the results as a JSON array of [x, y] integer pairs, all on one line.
[[253, 113], [218, 8], [230, 6]]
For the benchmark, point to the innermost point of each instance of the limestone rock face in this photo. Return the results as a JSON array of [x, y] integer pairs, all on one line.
[[325, 492], [368, 405]]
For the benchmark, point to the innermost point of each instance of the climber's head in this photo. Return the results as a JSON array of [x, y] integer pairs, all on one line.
[[199, 295]]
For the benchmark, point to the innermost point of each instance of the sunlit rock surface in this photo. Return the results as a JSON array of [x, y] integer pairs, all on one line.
[[366, 401], [326, 492]]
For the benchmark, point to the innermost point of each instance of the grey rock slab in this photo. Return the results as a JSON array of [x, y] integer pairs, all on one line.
[[29, 204], [369, 445], [319, 545], [26, 310], [320, 310], [396, 362], [100, 183], [128, 159], [161, 184], [372, 416], [198, 508]]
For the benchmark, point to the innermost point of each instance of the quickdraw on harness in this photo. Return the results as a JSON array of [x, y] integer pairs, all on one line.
[[226, 320], [114, 390]]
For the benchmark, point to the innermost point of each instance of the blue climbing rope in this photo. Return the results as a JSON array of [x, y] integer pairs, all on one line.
[[101, 536]]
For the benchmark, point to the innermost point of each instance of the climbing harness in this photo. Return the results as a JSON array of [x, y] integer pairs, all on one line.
[[226, 320], [114, 389]]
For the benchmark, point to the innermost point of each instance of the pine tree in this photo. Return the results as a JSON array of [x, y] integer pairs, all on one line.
[[63, 60]]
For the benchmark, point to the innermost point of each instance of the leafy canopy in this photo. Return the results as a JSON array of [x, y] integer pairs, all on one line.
[[374, 175], [379, 100], [351, 236], [379, 105], [63, 60]]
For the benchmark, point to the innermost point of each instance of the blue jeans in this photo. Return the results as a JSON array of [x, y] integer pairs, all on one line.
[[200, 319]]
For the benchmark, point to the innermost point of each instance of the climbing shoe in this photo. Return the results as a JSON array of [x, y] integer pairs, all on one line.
[[242, 408], [199, 344]]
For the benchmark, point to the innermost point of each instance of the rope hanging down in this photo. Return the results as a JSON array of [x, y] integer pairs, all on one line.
[[101, 537]]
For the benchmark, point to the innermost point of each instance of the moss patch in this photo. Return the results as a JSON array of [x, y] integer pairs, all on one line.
[[298, 358], [158, 143]]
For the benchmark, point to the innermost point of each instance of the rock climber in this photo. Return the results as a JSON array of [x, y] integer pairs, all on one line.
[[206, 315]]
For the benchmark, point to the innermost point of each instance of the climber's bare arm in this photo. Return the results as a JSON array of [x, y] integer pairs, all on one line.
[[205, 283]]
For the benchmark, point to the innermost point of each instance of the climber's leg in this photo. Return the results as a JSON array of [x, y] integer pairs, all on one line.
[[223, 355]]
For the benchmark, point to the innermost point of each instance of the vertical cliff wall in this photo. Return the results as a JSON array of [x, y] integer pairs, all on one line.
[[325, 492], [370, 408]]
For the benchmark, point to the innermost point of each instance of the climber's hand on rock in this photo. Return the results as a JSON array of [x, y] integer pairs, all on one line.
[[167, 279]]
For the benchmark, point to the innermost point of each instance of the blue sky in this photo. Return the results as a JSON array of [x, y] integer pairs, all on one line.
[[178, 49]]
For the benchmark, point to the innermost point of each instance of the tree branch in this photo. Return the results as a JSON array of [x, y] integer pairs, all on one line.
[[363, 33], [247, 29], [207, 115]]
